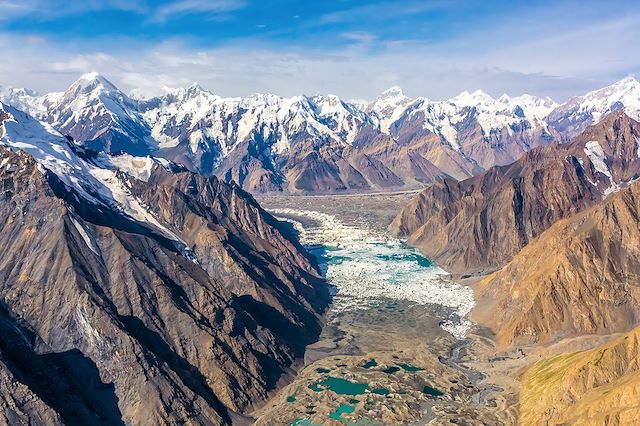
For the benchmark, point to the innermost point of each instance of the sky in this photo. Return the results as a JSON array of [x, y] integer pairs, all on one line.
[[354, 49]]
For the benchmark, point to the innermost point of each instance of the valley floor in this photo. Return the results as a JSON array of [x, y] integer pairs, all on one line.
[[388, 360]]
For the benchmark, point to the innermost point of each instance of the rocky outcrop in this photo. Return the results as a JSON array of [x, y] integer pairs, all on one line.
[[580, 276], [596, 387], [479, 224], [190, 316]]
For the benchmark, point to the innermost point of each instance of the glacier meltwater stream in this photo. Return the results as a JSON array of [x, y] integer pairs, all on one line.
[[366, 267]]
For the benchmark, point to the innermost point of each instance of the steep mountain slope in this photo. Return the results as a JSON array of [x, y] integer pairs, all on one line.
[[581, 111], [139, 294], [600, 386], [580, 276], [479, 224]]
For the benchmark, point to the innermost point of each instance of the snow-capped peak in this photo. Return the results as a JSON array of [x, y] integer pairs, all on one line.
[[627, 82], [573, 116], [624, 89], [476, 98], [91, 81], [195, 87], [531, 105], [393, 91], [389, 98], [388, 106]]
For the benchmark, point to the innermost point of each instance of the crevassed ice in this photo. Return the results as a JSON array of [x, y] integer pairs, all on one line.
[[366, 266]]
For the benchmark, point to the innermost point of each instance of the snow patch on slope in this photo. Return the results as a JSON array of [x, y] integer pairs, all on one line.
[[137, 167], [85, 235], [596, 154]]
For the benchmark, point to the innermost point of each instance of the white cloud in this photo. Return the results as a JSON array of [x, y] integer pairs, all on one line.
[[56, 8], [359, 36], [184, 7], [540, 60]]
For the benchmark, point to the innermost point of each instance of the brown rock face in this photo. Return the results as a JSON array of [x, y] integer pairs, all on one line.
[[479, 224], [104, 320], [580, 276], [596, 387], [324, 168]]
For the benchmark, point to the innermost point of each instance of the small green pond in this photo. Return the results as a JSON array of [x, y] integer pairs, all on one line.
[[410, 368], [342, 409], [323, 370], [428, 390], [392, 369], [339, 386], [371, 363], [381, 391]]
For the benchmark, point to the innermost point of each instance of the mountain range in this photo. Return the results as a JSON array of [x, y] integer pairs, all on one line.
[[136, 261], [308, 144], [134, 291], [555, 241], [558, 266], [478, 224]]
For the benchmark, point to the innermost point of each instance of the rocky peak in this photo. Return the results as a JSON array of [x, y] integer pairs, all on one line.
[[94, 112]]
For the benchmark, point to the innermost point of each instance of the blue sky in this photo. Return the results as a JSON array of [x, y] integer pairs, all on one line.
[[354, 49]]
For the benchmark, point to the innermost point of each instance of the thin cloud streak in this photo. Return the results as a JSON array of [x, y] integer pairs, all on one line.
[[185, 7]]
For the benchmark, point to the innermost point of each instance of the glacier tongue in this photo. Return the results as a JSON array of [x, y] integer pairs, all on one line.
[[367, 267]]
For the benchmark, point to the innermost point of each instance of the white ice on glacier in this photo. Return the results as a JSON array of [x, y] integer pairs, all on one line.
[[366, 266]]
